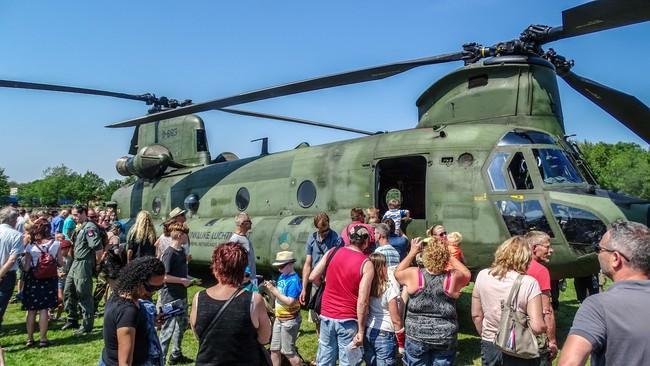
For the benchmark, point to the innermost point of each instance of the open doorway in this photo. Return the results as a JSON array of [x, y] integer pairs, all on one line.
[[403, 178]]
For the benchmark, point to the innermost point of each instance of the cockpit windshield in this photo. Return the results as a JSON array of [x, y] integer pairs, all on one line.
[[555, 167]]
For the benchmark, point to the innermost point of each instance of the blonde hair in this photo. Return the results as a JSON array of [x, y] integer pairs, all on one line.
[[372, 216], [513, 255], [143, 229], [432, 230], [435, 256], [393, 203], [455, 237], [380, 280]]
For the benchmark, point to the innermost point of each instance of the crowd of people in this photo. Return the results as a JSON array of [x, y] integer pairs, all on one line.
[[375, 295]]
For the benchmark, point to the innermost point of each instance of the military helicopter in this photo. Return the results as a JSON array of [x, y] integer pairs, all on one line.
[[488, 157]]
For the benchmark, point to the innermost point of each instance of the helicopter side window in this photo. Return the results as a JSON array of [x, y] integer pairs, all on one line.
[[522, 137], [242, 198], [518, 171], [495, 171], [579, 226], [521, 216], [555, 167]]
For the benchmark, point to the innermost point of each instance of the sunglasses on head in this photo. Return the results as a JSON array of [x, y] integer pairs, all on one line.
[[442, 234]]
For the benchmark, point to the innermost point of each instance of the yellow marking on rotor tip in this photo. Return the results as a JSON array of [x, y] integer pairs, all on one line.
[[517, 196]]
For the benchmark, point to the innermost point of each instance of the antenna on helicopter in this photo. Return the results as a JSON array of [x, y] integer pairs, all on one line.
[[265, 145]]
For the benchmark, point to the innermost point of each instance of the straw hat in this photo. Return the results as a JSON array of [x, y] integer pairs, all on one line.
[[176, 212], [283, 258]]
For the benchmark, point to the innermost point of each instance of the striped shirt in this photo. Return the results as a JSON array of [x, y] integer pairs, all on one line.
[[392, 256]]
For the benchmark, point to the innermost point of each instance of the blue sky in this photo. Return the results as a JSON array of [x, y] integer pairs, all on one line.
[[203, 50]]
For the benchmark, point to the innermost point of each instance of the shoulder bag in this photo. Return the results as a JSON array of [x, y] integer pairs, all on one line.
[[315, 301], [514, 336]]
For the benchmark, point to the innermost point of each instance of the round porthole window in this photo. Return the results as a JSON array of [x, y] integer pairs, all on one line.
[[306, 194], [191, 203], [242, 198], [155, 206]]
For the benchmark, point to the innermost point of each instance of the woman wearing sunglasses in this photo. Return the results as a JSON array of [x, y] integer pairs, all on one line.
[[125, 326]]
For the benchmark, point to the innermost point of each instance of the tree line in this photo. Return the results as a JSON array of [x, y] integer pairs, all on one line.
[[61, 185], [621, 167]]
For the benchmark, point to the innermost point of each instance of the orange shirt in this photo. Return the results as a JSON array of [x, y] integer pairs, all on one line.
[[456, 252]]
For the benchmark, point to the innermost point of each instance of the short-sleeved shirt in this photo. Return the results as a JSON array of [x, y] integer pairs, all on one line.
[[165, 241], [57, 225], [11, 243], [392, 256], [244, 241], [317, 247], [68, 226], [290, 286], [87, 241], [616, 324], [541, 274], [400, 243], [175, 262], [378, 313], [492, 291], [396, 215], [52, 248], [122, 313]]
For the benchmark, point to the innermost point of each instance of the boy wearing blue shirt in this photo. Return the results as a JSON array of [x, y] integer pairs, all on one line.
[[287, 310]]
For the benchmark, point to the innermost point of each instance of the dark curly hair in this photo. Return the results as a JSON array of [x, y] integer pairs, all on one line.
[[138, 272], [229, 261], [40, 229]]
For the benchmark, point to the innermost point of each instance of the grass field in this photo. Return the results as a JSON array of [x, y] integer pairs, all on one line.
[[85, 350]]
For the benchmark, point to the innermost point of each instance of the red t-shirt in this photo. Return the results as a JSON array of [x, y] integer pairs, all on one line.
[[342, 284], [541, 274]]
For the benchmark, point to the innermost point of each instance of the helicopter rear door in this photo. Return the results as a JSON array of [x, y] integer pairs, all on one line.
[[403, 178]]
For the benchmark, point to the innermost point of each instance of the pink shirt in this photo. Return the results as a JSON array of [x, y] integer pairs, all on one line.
[[492, 291], [342, 284], [541, 274]]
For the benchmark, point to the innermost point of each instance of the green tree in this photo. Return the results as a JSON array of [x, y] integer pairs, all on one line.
[[4, 185], [621, 167]]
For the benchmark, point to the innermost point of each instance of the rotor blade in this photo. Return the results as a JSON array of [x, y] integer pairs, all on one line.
[[346, 78], [295, 120], [68, 89], [626, 108], [600, 15]]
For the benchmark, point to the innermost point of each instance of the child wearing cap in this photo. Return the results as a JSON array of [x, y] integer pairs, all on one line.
[[287, 309]]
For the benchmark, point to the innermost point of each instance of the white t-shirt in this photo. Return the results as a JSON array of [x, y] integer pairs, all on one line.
[[378, 313], [492, 291], [52, 247], [246, 243]]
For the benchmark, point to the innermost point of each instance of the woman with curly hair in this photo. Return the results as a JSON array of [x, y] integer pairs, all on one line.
[[492, 288], [40, 289], [141, 237], [431, 319], [125, 326], [244, 324]]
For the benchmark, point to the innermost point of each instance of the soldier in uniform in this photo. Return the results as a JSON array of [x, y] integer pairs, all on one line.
[[79, 282]]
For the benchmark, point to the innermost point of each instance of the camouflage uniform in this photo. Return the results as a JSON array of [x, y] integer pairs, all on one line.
[[79, 282]]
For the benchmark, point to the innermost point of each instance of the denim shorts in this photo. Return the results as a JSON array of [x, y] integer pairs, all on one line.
[[285, 333], [380, 347]]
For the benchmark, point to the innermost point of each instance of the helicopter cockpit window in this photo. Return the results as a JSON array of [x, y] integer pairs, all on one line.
[[523, 137], [306, 194], [521, 216], [242, 198], [519, 174], [495, 171], [579, 226], [555, 167]]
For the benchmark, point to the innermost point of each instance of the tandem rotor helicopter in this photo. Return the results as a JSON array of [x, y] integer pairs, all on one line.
[[488, 156]]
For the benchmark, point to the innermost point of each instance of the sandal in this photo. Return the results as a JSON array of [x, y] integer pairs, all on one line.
[[30, 343], [43, 344]]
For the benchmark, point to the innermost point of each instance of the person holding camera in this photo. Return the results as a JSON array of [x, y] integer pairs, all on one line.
[[287, 310], [175, 290]]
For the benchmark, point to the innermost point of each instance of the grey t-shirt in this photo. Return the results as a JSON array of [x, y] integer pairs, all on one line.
[[617, 325], [11, 243]]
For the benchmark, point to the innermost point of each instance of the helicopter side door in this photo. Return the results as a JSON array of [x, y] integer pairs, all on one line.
[[403, 178]]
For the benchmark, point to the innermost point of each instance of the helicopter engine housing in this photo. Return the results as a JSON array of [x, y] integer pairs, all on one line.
[[150, 162]]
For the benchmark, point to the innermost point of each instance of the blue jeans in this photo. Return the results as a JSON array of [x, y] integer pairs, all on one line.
[[420, 353], [335, 335], [379, 347], [6, 290]]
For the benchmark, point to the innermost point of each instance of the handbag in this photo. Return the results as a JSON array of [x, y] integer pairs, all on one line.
[[514, 336], [315, 301]]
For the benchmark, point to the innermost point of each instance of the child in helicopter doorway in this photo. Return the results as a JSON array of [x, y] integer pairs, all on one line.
[[397, 215]]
